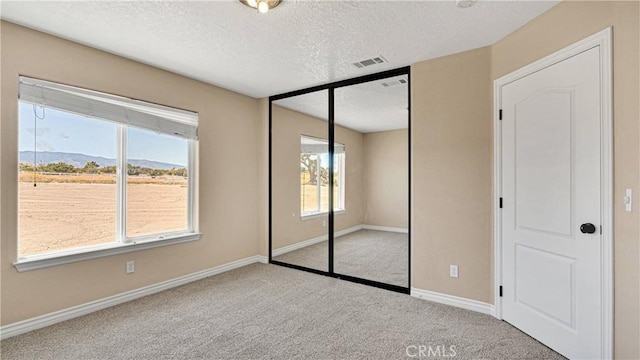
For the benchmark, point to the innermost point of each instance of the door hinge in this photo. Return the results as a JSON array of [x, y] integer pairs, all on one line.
[[500, 290], [500, 203], [500, 114]]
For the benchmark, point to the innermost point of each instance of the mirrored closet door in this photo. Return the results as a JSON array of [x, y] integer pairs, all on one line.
[[371, 239], [299, 180], [339, 184]]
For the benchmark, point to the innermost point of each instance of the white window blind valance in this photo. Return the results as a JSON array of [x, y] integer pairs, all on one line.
[[313, 145], [321, 149], [158, 118]]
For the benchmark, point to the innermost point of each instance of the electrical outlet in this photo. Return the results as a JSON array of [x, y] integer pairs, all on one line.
[[453, 271], [131, 267], [324, 223]]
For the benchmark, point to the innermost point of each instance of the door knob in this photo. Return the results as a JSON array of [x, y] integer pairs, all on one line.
[[588, 228]]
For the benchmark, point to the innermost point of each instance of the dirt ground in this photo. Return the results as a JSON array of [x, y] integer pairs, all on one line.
[[66, 212], [55, 216]]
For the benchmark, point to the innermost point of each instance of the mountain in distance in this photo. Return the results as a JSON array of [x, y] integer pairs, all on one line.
[[79, 160]]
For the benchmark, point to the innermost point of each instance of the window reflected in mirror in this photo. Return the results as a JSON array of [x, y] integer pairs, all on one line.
[[314, 176]]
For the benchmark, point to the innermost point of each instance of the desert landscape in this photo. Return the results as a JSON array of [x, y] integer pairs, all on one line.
[[71, 210], [65, 211]]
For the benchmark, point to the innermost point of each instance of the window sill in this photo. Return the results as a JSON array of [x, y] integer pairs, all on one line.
[[34, 262], [322, 214]]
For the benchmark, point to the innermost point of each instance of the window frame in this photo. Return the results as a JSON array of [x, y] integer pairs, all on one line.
[[340, 164], [121, 243], [122, 182]]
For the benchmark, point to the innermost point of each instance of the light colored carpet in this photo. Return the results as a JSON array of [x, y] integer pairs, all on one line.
[[374, 255], [271, 312]]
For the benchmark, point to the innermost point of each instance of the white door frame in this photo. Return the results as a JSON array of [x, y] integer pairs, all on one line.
[[602, 39]]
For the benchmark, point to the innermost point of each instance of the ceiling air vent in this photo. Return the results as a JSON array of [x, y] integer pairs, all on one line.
[[394, 82], [369, 62]]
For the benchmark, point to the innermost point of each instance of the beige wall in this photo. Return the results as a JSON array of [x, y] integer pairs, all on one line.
[[385, 179], [565, 24], [288, 227], [228, 174], [451, 173]]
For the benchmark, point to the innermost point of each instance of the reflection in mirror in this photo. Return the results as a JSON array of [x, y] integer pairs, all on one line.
[[314, 167], [371, 238], [300, 180]]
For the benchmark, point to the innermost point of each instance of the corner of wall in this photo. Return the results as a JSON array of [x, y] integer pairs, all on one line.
[[263, 177]]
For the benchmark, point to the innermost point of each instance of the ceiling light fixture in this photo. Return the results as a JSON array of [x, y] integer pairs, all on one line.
[[262, 5], [463, 4]]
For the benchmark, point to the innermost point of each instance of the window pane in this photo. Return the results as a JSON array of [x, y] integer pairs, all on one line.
[[324, 182], [73, 202], [338, 182], [314, 176], [309, 182], [157, 186]]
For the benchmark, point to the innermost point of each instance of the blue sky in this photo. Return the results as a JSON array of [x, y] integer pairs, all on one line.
[[65, 132]]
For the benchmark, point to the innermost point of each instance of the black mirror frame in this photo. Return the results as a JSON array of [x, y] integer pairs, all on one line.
[[331, 137]]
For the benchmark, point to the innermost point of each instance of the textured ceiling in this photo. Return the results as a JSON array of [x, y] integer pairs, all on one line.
[[296, 45]]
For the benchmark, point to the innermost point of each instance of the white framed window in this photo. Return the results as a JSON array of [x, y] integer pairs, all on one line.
[[99, 173], [314, 176]]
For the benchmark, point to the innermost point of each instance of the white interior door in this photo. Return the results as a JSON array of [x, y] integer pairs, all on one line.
[[551, 186]]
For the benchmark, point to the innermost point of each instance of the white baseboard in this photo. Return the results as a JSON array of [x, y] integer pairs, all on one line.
[[456, 301], [348, 230], [45, 320], [386, 228], [316, 240]]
